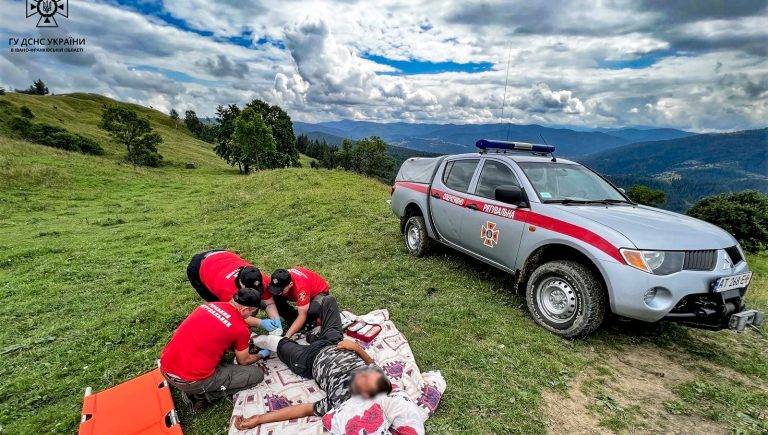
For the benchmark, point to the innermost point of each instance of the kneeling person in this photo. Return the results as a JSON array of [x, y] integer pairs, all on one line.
[[190, 360], [301, 286], [217, 275], [340, 367]]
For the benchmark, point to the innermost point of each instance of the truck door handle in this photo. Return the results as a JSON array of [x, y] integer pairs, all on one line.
[[435, 195], [472, 207]]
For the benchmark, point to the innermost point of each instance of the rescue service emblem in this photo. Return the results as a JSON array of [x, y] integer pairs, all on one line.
[[489, 234]]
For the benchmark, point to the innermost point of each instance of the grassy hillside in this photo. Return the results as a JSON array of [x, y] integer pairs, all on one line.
[[92, 277], [80, 113]]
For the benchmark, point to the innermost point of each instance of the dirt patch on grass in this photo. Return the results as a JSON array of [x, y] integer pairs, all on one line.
[[627, 392]]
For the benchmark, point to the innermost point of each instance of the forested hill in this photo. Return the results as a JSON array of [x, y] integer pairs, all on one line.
[[461, 138], [692, 167]]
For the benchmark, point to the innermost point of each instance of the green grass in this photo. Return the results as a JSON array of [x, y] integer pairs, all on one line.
[[92, 278]]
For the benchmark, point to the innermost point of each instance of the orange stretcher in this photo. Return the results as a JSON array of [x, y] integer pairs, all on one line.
[[142, 405]]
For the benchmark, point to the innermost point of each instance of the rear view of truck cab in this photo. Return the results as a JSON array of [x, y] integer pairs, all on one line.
[[574, 243]]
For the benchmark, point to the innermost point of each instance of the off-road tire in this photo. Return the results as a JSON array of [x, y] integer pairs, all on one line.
[[423, 244], [588, 293]]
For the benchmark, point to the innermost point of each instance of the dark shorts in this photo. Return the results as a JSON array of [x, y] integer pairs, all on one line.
[[193, 274]]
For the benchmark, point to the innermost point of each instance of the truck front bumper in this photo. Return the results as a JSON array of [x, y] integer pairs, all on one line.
[[684, 297]]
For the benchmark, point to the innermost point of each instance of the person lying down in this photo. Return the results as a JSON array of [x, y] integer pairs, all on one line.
[[340, 367]]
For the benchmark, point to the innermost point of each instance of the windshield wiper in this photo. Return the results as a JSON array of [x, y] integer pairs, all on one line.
[[566, 201], [613, 201], [606, 201]]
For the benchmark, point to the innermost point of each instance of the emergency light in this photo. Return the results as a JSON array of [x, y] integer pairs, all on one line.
[[486, 144]]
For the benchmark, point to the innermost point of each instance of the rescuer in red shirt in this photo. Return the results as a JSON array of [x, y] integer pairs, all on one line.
[[191, 359], [304, 287], [217, 275]]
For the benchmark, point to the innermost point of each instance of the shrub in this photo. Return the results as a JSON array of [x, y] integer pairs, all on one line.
[[52, 136], [646, 196], [126, 127], [26, 112], [743, 214]]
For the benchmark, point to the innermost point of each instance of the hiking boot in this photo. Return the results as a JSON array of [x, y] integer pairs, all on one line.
[[196, 402]]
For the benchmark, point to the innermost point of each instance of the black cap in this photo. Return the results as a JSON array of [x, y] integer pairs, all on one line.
[[279, 280], [248, 297], [250, 277]]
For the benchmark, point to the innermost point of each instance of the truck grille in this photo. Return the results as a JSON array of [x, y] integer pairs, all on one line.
[[700, 260], [735, 255]]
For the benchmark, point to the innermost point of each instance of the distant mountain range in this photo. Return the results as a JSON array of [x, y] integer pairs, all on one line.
[[685, 165], [461, 138], [690, 167]]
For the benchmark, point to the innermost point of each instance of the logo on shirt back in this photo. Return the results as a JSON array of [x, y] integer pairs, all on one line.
[[218, 313]]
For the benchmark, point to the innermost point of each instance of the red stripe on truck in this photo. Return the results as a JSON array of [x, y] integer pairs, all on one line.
[[419, 187], [527, 216]]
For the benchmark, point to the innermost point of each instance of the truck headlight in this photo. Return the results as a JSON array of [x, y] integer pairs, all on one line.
[[655, 262]]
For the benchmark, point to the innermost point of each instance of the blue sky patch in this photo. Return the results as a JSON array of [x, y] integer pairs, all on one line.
[[154, 8], [639, 62], [413, 66]]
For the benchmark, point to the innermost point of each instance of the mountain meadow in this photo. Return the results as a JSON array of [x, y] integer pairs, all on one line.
[[93, 253]]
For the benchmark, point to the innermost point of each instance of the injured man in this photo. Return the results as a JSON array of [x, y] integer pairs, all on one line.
[[340, 367]]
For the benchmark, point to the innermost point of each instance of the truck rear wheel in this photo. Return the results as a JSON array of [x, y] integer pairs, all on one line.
[[566, 298], [417, 241]]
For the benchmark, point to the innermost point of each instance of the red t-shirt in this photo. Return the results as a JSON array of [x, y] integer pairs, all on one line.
[[306, 285], [199, 342], [218, 272]]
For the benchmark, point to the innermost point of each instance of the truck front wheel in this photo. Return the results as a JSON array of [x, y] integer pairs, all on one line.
[[566, 298], [417, 241]]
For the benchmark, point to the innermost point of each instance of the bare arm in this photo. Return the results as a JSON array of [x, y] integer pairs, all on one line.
[[272, 309], [287, 413], [299, 322], [354, 347], [245, 358]]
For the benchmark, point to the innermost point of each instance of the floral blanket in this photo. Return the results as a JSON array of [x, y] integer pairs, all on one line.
[[417, 393]]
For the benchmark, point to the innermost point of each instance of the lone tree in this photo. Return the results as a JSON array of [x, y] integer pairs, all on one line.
[[253, 143], [282, 130], [225, 127], [126, 127], [174, 117], [37, 88], [646, 196], [743, 214]]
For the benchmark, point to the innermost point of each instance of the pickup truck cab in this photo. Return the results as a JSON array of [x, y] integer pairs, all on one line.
[[575, 244]]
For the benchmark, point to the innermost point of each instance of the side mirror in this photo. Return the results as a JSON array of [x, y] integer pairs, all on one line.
[[510, 194], [621, 189]]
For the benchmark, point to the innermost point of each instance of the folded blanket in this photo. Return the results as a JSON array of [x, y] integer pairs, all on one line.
[[390, 350]]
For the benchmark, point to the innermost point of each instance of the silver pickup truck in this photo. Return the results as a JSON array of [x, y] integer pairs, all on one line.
[[576, 245]]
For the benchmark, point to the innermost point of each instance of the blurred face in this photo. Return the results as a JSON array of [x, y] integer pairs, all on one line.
[[247, 311], [365, 383], [287, 289]]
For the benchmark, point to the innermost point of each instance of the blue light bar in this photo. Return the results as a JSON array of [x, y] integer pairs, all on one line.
[[486, 144]]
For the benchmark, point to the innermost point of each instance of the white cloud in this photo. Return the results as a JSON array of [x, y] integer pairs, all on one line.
[[710, 71]]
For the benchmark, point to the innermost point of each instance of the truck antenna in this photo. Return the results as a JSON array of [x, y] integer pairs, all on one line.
[[506, 81], [545, 143]]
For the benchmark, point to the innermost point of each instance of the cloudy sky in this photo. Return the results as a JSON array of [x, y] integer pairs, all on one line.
[[701, 65]]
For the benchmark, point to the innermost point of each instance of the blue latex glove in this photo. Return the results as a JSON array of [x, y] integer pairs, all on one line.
[[265, 353], [271, 324]]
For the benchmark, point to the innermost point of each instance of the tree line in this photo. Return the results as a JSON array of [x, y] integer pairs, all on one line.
[[367, 156]]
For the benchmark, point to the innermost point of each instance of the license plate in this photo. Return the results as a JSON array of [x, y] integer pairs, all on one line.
[[731, 282]]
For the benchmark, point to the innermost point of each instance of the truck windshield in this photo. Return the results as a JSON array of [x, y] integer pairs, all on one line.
[[569, 183]]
